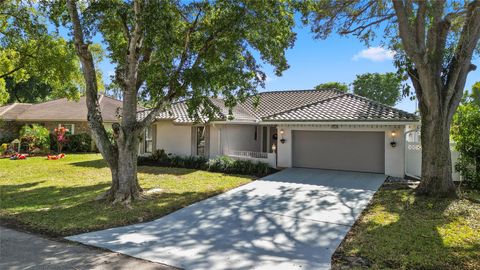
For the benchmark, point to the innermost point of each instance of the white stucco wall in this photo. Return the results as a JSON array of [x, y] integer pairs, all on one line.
[[234, 137], [175, 139], [215, 147], [394, 156]]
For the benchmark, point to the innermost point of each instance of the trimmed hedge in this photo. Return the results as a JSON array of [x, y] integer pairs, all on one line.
[[220, 164], [79, 143]]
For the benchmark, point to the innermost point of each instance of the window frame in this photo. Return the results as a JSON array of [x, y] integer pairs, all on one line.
[[148, 140], [70, 130], [197, 140]]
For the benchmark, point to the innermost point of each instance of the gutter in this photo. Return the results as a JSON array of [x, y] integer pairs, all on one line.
[[388, 123]]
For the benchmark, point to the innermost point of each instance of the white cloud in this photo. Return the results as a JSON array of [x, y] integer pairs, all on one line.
[[376, 54]]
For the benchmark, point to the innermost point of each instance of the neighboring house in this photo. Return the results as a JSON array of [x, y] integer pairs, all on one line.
[[56, 113], [326, 129]]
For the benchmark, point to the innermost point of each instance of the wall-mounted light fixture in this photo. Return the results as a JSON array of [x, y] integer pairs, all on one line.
[[282, 140], [393, 143], [274, 148]]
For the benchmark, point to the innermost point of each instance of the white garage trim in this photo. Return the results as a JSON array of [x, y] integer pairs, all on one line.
[[394, 156]]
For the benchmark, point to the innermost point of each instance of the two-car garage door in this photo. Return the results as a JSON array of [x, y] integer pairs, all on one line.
[[334, 150]]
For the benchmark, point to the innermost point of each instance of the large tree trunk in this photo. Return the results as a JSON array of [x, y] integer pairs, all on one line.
[[436, 158], [438, 85], [436, 115], [125, 186], [122, 156]]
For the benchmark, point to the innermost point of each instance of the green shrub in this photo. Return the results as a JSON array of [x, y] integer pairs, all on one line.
[[6, 139], [230, 165], [35, 136], [79, 143], [222, 164], [189, 162], [466, 133], [53, 142]]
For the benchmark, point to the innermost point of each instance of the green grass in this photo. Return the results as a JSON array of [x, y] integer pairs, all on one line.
[[401, 231], [57, 197]]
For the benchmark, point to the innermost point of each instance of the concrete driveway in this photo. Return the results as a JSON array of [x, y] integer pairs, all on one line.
[[294, 219]]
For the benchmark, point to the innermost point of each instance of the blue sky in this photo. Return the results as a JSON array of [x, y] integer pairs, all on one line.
[[334, 59]]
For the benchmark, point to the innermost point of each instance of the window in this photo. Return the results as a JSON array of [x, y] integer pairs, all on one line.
[[149, 140], [70, 127], [200, 134]]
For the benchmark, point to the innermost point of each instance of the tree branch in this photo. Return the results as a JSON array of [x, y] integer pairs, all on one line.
[[126, 31], [11, 72], [173, 85], [420, 25], [361, 28], [460, 64], [436, 39], [405, 29], [94, 114]]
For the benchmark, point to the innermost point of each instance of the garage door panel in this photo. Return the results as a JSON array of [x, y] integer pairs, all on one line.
[[336, 150]]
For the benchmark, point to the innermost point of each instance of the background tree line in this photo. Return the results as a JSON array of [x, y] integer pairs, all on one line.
[[387, 88]]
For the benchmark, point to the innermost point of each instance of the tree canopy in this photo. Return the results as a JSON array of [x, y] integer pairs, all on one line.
[[466, 134], [171, 50], [434, 43], [333, 86], [34, 60], [384, 88]]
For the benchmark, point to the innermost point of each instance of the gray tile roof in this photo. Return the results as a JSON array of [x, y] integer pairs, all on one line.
[[239, 112], [278, 101], [62, 109], [178, 112], [346, 107], [299, 105]]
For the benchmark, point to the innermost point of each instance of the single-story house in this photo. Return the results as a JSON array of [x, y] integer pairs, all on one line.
[[326, 129], [55, 113]]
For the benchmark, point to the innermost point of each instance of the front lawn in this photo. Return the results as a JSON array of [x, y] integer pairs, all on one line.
[[401, 231], [58, 196]]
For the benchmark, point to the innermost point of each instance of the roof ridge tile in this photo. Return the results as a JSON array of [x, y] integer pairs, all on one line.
[[298, 90]]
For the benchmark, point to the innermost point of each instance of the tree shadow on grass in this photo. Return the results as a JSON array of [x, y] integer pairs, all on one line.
[[61, 211], [24, 196], [408, 235], [98, 164], [156, 170]]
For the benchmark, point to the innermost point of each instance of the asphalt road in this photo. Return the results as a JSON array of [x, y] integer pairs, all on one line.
[[20, 250]]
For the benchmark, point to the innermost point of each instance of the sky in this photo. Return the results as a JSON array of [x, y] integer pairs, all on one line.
[[318, 61]]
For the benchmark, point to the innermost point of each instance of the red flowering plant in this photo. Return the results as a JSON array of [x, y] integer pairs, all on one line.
[[61, 136]]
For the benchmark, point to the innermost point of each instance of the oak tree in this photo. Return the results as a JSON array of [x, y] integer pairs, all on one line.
[[169, 51], [435, 42]]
